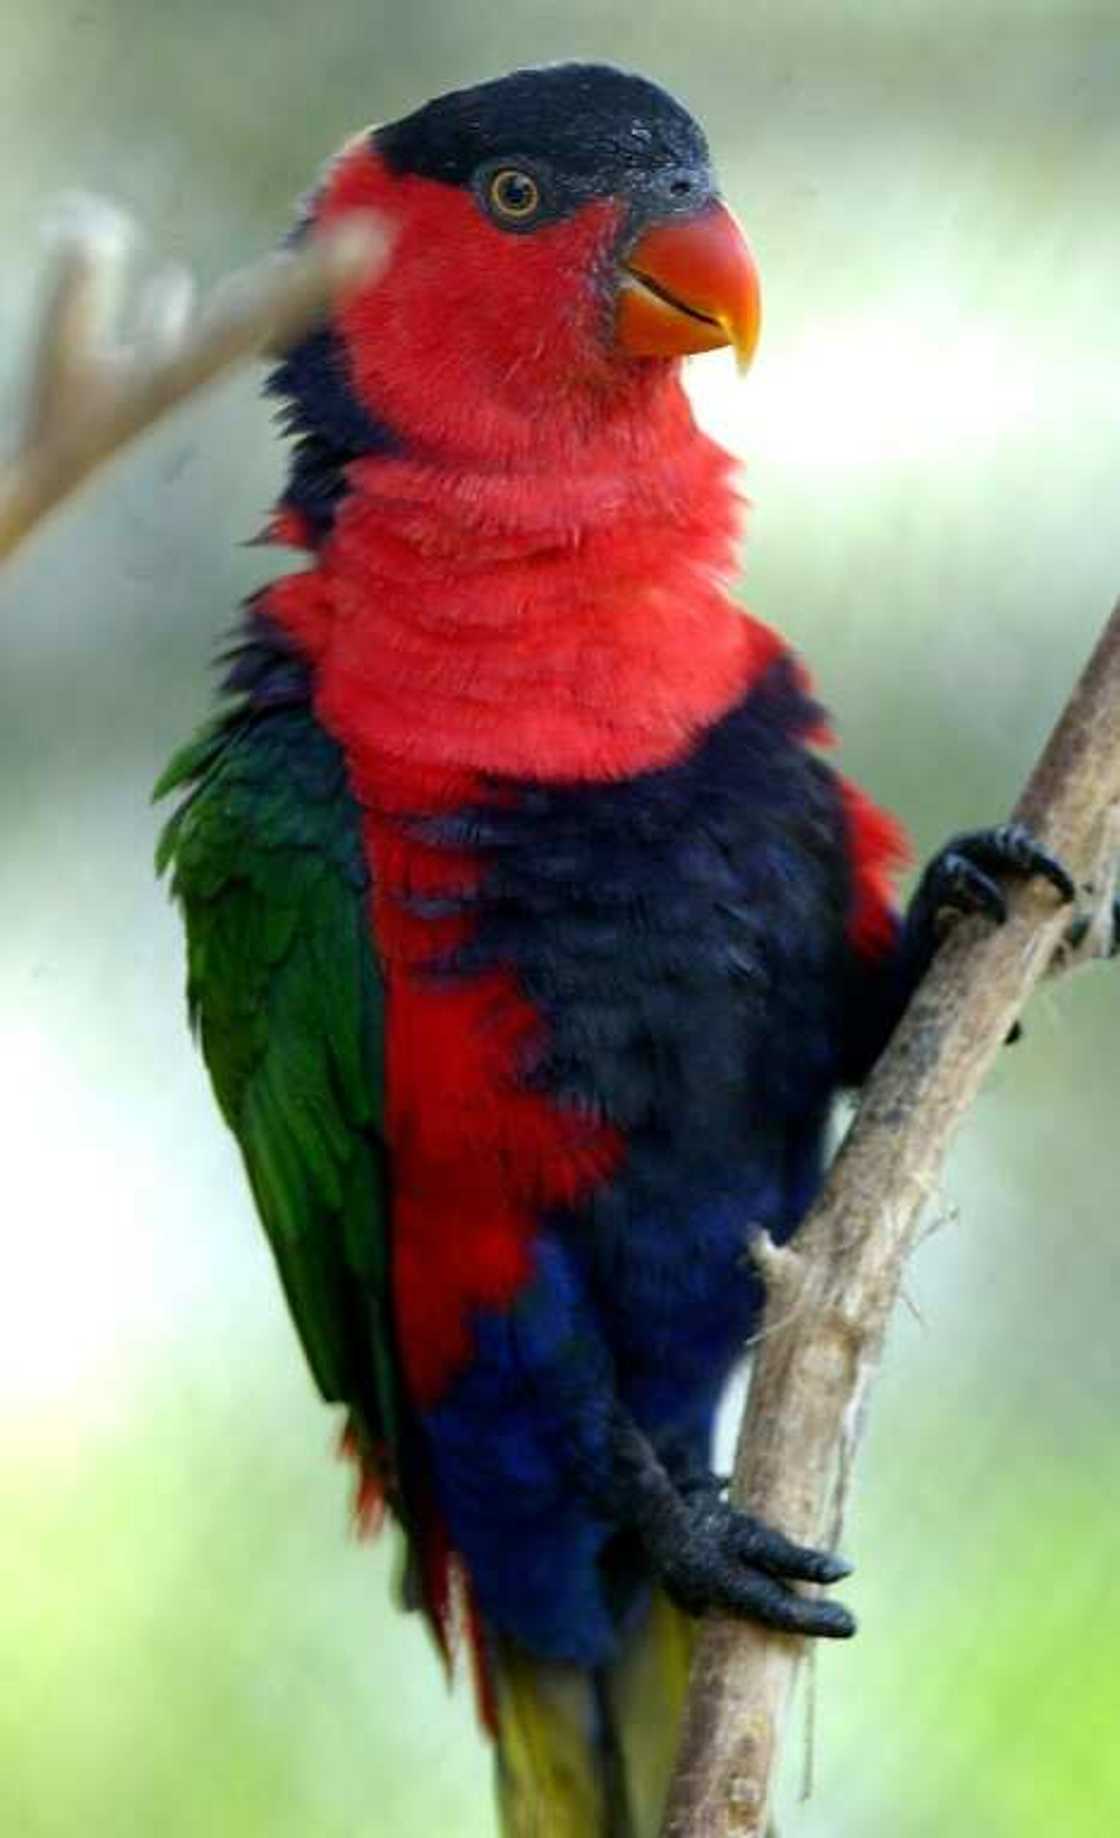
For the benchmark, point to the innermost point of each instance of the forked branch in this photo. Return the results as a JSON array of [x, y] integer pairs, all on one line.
[[91, 393], [830, 1299]]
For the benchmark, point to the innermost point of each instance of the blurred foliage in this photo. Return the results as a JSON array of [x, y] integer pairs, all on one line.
[[191, 1645]]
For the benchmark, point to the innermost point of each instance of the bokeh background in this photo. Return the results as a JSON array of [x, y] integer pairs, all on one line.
[[191, 1644]]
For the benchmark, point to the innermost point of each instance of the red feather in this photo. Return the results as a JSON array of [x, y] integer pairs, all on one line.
[[878, 848]]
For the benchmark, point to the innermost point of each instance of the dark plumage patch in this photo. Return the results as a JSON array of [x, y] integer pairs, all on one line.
[[264, 669], [330, 424], [586, 130], [683, 936], [682, 930]]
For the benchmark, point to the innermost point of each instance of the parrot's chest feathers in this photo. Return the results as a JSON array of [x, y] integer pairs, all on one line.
[[575, 624]]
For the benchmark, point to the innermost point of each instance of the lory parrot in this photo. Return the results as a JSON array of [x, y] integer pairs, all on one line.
[[530, 932]]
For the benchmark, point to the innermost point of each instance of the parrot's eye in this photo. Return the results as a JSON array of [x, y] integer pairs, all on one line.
[[514, 195]]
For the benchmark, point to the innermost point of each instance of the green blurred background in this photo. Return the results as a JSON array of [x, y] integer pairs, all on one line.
[[190, 1643]]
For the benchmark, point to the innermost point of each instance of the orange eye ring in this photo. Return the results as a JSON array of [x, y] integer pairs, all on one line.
[[514, 195]]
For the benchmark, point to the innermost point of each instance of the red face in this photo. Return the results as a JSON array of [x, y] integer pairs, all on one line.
[[528, 287]]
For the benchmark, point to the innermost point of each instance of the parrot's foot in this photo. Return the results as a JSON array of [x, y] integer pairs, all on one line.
[[961, 878], [708, 1555]]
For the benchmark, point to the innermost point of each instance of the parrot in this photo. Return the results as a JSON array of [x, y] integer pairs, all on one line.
[[531, 931]]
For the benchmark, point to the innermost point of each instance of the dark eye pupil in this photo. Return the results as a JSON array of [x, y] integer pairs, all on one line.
[[514, 194]]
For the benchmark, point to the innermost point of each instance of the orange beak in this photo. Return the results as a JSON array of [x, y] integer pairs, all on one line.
[[690, 285]]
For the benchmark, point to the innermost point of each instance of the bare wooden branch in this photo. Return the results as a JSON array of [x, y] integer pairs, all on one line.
[[827, 1313], [89, 396]]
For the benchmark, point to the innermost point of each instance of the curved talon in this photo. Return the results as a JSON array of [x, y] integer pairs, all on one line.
[[962, 876], [1016, 848], [757, 1594], [967, 888], [767, 1549], [712, 1556]]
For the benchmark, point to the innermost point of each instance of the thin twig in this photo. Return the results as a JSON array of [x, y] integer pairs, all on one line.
[[89, 395], [813, 1369]]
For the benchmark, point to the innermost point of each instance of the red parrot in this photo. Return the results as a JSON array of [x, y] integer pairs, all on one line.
[[530, 932]]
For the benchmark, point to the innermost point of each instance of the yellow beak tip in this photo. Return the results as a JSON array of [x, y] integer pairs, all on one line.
[[744, 343]]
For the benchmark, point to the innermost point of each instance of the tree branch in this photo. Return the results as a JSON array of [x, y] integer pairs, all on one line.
[[829, 1299], [90, 396]]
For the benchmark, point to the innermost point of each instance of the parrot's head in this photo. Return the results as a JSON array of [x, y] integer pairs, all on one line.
[[559, 243]]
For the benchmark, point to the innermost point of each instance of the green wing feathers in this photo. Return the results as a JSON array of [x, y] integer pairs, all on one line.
[[266, 862]]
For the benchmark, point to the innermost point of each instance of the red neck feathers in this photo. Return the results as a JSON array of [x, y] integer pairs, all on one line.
[[537, 582]]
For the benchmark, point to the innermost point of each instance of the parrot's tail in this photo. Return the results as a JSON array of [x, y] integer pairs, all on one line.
[[589, 1754]]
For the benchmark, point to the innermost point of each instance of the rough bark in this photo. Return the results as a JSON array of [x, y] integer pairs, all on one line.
[[830, 1298]]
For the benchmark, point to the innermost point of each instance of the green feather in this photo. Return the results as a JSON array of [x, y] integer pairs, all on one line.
[[266, 859]]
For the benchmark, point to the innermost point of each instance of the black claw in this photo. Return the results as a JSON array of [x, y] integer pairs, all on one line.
[[963, 879], [832, 1568], [711, 1556], [765, 1599], [832, 1621], [771, 1550], [1018, 849], [1051, 870], [1011, 849], [966, 887]]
